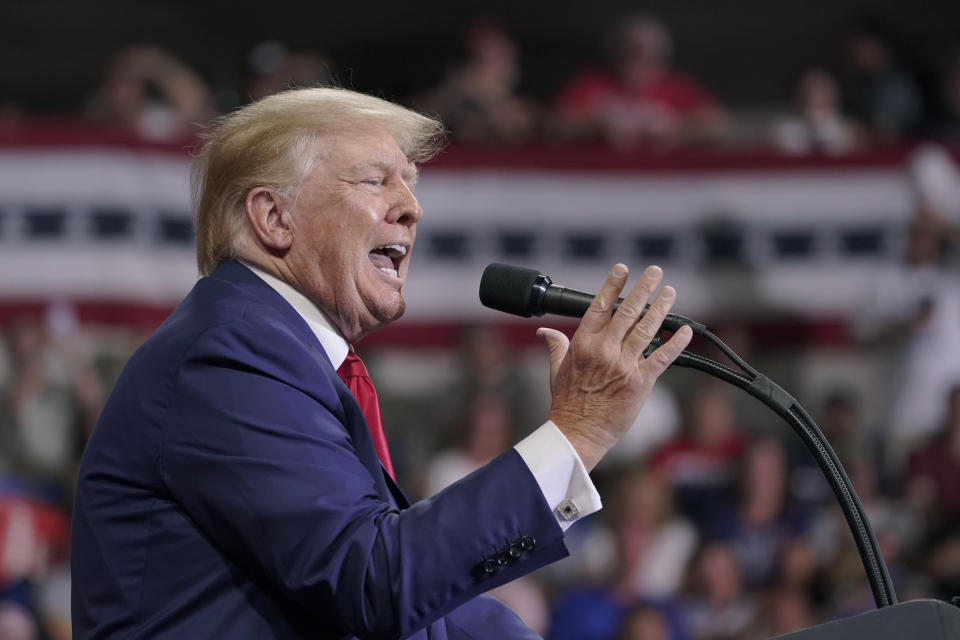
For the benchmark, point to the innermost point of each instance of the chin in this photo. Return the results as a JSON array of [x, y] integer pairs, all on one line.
[[385, 308], [394, 312]]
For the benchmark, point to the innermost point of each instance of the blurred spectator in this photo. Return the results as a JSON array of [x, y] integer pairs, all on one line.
[[33, 538], [701, 462], [273, 67], [762, 526], [935, 185], [50, 406], [647, 547], [17, 622], [654, 544], [640, 101], [915, 308], [947, 125], [840, 421], [477, 101], [53, 601], [485, 435], [896, 524], [150, 92], [798, 565], [943, 564], [587, 613], [880, 92], [645, 623], [786, 610], [933, 480], [487, 367], [658, 422], [599, 613], [843, 585], [641, 559], [33, 534], [718, 608], [818, 126]]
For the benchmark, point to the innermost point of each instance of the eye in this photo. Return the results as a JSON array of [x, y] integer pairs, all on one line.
[[376, 182]]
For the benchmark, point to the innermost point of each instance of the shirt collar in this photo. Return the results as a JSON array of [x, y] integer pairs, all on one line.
[[330, 339]]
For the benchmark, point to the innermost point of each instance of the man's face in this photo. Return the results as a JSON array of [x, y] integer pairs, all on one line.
[[354, 223]]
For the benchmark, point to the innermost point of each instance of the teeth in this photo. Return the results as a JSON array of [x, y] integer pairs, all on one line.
[[392, 272], [399, 248]]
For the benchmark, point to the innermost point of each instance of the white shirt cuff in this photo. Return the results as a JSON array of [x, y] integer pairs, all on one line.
[[563, 479]]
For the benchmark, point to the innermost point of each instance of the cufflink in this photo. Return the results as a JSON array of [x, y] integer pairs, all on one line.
[[566, 510]]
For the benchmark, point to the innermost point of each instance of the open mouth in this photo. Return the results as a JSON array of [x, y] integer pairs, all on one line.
[[388, 257]]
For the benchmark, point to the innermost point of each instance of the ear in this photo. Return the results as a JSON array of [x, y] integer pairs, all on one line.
[[268, 219]]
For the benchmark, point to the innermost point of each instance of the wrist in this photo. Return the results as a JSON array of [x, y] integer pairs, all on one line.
[[590, 442]]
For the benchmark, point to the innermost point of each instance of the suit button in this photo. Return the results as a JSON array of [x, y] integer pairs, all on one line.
[[489, 565], [503, 558], [528, 543], [515, 550]]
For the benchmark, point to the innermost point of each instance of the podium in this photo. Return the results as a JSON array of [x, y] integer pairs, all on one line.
[[914, 620]]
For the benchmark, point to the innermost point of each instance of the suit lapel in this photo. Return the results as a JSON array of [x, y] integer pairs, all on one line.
[[356, 426], [351, 417]]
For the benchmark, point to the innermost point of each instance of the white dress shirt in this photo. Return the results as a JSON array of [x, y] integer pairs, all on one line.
[[552, 460]]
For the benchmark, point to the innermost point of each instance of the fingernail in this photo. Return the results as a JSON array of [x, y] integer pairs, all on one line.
[[653, 271], [540, 333], [619, 270], [669, 292]]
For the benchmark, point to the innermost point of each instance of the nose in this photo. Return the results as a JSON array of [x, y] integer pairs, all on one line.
[[405, 209]]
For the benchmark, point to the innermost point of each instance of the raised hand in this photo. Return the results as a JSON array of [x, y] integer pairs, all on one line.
[[599, 379]]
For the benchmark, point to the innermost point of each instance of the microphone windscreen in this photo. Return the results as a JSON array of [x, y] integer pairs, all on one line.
[[509, 289]]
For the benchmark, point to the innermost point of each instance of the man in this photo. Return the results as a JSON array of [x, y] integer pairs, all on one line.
[[232, 488]]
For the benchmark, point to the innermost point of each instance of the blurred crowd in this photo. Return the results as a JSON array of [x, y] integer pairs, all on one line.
[[717, 524], [632, 98]]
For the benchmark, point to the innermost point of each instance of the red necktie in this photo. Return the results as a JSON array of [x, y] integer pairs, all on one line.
[[355, 376]]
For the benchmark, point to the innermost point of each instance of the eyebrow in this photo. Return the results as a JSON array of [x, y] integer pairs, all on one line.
[[410, 174]]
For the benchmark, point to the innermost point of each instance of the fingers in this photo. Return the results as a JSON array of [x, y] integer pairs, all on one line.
[[664, 356], [640, 335], [598, 315], [633, 304], [557, 343]]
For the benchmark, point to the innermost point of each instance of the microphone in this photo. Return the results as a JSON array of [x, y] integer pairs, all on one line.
[[527, 292]]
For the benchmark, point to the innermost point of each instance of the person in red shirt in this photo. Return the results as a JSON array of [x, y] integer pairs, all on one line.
[[640, 101], [701, 462]]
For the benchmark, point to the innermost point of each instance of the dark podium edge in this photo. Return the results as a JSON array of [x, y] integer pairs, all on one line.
[[920, 619]]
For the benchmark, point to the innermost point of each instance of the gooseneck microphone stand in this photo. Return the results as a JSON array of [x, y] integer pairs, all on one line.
[[527, 292], [785, 406], [919, 619]]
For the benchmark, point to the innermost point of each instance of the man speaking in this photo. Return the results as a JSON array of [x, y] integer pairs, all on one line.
[[238, 483]]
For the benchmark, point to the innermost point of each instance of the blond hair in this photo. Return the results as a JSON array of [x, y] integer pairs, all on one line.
[[273, 143]]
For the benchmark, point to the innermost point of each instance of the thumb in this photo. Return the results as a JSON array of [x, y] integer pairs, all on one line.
[[558, 343]]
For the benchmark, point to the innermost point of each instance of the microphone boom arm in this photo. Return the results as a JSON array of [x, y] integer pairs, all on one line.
[[785, 406], [527, 292]]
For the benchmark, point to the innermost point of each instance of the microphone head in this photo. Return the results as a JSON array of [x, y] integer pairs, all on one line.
[[509, 289]]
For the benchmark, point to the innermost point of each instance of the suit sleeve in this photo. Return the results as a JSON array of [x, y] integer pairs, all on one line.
[[255, 452]]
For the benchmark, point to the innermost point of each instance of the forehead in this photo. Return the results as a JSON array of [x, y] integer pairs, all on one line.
[[361, 149]]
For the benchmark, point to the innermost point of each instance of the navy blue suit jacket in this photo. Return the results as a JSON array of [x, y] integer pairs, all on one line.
[[231, 490]]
